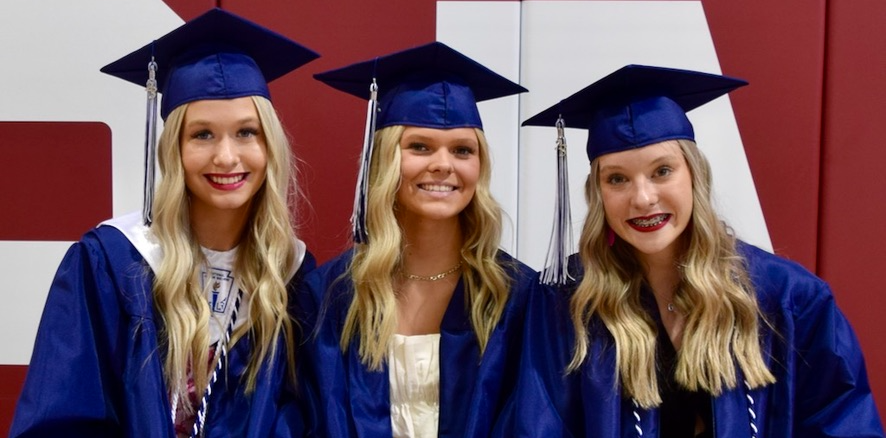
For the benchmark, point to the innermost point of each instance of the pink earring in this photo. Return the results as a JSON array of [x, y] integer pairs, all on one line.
[[610, 236]]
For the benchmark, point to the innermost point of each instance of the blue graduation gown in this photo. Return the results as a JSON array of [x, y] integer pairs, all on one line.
[[97, 370], [821, 390], [350, 401]]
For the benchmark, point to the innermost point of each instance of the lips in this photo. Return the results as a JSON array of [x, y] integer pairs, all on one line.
[[649, 223]]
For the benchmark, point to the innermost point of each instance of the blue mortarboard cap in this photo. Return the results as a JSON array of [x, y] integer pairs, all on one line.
[[432, 86], [636, 106], [217, 55]]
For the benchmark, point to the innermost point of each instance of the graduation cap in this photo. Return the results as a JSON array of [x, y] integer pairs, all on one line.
[[632, 107], [430, 86], [217, 55], [636, 106]]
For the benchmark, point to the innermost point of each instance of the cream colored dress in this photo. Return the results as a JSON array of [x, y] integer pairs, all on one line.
[[414, 377]]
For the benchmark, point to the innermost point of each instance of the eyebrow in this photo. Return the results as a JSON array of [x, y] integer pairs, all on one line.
[[662, 159], [413, 138], [205, 122]]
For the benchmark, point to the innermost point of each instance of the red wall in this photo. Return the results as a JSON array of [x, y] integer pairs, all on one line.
[[808, 122]]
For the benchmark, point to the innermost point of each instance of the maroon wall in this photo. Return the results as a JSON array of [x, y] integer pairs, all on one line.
[[808, 122]]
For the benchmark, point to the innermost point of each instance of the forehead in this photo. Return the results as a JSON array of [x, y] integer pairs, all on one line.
[[221, 109], [654, 154], [455, 135]]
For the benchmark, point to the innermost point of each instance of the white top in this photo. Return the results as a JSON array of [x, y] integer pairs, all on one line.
[[414, 378], [220, 286]]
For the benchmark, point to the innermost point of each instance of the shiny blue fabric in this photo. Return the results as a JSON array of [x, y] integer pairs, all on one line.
[[96, 369], [439, 101], [352, 401], [821, 390], [212, 73], [637, 124]]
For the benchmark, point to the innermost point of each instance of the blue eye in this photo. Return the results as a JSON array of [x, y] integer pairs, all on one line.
[[615, 179], [663, 171], [418, 147], [248, 132], [203, 134], [464, 151]]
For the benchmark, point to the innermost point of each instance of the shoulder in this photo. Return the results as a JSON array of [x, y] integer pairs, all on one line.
[[302, 264], [517, 270], [332, 268], [329, 276], [780, 280], [105, 268]]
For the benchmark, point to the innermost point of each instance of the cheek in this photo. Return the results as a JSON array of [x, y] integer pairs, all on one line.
[[192, 162], [610, 206], [408, 167], [470, 172]]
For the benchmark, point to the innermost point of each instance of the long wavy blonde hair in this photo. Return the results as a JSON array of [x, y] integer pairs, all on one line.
[[723, 321], [265, 257], [372, 315]]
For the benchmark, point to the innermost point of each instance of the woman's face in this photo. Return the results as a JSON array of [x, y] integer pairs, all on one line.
[[647, 197], [439, 169], [224, 155]]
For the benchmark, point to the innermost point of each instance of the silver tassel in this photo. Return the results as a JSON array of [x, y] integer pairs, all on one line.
[[150, 143], [358, 218], [556, 271]]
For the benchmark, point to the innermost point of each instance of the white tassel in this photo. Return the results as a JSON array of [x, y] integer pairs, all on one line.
[[358, 218], [150, 143], [556, 271]]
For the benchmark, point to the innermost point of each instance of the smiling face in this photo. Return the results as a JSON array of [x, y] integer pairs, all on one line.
[[439, 171], [647, 198], [224, 156]]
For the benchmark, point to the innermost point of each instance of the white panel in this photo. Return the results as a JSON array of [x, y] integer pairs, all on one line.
[[51, 72], [566, 45], [489, 32], [33, 266], [52, 53]]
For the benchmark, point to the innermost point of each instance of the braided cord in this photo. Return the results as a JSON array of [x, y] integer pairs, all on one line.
[[222, 354]]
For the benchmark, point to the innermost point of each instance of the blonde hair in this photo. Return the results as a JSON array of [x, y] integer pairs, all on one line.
[[265, 257], [372, 315], [723, 321]]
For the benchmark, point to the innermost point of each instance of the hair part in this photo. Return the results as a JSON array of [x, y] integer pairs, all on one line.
[[372, 315], [265, 257], [723, 323]]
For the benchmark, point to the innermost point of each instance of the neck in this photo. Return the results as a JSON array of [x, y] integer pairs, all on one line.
[[431, 247], [662, 275], [219, 231]]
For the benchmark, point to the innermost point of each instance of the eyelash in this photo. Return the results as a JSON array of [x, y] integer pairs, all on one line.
[[201, 135], [464, 150], [248, 132], [611, 179]]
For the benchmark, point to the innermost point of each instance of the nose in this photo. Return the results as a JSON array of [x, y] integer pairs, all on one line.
[[226, 155], [441, 162], [645, 194]]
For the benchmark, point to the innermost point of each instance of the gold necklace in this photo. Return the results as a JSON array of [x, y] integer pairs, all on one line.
[[435, 277]]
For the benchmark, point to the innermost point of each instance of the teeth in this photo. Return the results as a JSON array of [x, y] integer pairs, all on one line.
[[224, 180], [651, 222], [436, 188]]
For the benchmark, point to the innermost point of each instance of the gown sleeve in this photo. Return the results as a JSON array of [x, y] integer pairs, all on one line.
[[70, 389], [834, 398]]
